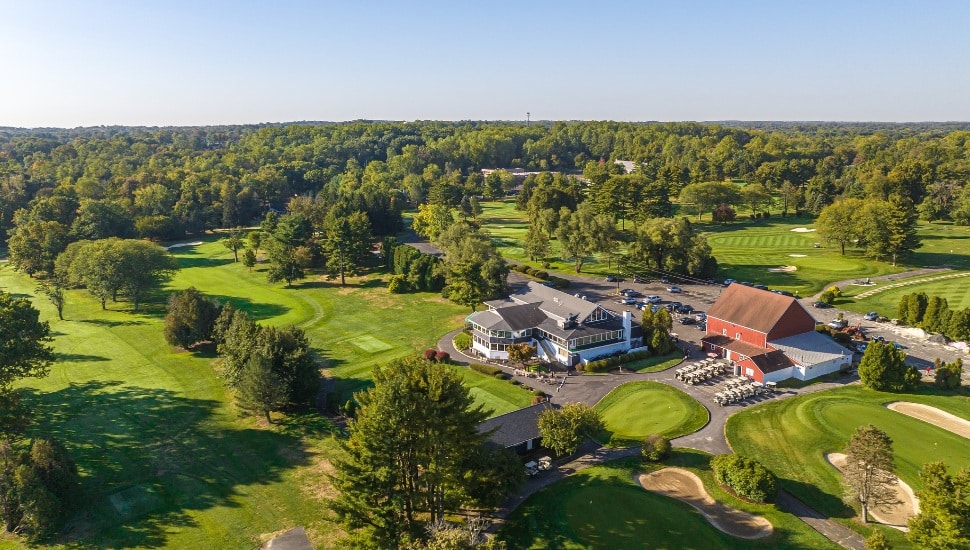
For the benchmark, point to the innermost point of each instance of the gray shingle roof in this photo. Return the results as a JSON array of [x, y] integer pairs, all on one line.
[[515, 427], [811, 348], [555, 303]]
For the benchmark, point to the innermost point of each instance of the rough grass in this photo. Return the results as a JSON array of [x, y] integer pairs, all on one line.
[[603, 507], [496, 396], [635, 410], [792, 436]]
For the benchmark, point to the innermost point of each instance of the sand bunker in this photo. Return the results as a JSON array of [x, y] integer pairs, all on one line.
[[687, 487], [896, 515], [783, 269], [802, 230], [934, 416], [797, 255], [180, 245]]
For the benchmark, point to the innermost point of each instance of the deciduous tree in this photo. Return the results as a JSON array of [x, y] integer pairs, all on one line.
[[23, 342], [869, 469], [190, 319], [563, 429]]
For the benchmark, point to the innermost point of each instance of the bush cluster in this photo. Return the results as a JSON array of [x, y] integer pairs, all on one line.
[[541, 274], [487, 370], [948, 374], [462, 341], [747, 477], [655, 448], [933, 314], [611, 362], [437, 356], [414, 270]]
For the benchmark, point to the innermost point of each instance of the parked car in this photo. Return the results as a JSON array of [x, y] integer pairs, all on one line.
[[639, 279], [746, 283], [628, 301], [673, 306], [897, 345], [664, 280], [611, 279], [861, 347], [761, 287], [871, 316], [702, 326], [783, 292], [633, 294], [878, 338], [701, 316], [684, 308], [838, 324], [821, 305], [655, 308], [653, 299], [673, 289], [729, 281], [687, 320], [626, 292]]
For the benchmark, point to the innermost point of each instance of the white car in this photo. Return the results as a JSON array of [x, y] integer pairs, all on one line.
[[653, 299], [674, 289]]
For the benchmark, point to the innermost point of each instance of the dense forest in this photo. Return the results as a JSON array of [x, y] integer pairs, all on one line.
[[58, 186]]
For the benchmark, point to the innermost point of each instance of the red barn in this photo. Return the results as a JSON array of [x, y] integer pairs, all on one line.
[[771, 336]]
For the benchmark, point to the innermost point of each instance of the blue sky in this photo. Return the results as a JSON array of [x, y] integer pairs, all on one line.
[[164, 62]]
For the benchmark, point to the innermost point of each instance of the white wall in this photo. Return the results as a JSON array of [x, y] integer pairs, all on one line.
[[818, 369], [491, 354], [588, 354]]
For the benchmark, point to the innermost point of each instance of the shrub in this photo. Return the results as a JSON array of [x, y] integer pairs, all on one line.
[[766, 214], [536, 400], [430, 353], [747, 477], [538, 393], [485, 369], [841, 337], [948, 375], [655, 448], [546, 265], [530, 271], [502, 376], [542, 274], [442, 357], [398, 284], [462, 341]]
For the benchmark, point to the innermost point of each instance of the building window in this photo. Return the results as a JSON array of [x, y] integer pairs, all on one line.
[[712, 347], [748, 372], [737, 335], [723, 332]]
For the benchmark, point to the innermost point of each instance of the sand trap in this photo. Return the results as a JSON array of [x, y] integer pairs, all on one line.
[[896, 515], [180, 245], [934, 416], [687, 487], [783, 269], [802, 230], [797, 255]]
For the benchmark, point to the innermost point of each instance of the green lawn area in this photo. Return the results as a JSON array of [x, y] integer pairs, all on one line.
[[603, 507], [165, 459], [955, 290], [635, 410], [656, 363], [792, 436]]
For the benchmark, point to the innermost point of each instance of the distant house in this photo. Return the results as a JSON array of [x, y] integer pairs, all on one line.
[[770, 337], [564, 328], [517, 430]]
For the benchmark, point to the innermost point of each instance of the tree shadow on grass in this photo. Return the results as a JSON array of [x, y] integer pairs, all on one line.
[[77, 358], [256, 310], [186, 262], [111, 323], [150, 457], [820, 501]]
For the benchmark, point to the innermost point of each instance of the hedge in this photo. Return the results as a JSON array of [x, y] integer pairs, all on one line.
[[462, 341], [485, 369], [609, 363]]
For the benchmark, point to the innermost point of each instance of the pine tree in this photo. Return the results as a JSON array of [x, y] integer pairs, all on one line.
[[901, 219], [260, 390], [869, 468]]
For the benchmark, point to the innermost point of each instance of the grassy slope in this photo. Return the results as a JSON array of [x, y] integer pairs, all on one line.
[[635, 410], [603, 507], [791, 437], [153, 431]]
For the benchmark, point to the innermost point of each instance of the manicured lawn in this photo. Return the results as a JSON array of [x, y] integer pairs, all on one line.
[[656, 363], [635, 410], [165, 459], [497, 396], [354, 327], [956, 291], [604, 507], [792, 436]]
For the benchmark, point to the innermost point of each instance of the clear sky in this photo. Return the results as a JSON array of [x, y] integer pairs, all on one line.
[[172, 62]]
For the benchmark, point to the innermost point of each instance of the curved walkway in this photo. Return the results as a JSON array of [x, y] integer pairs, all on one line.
[[890, 277]]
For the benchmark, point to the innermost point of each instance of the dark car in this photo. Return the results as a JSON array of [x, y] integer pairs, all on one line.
[[611, 278], [783, 293], [761, 287], [727, 282], [626, 292], [821, 305], [746, 283], [664, 280], [633, 294], [687, 320], [684, 308], [639, 279], [672, 306]]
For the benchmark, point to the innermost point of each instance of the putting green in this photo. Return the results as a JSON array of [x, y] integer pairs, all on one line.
[[792, 436], [635, 410], [603, 507]]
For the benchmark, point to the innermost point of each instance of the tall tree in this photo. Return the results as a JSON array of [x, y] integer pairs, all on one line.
[[943, 521], [839, 222], [190, 319], [474, 270], [901, 225], [348, 242], [23, 339], [869, 469], [582, 233], [233, 242], [884, 368], [260, 390], [408, 452], [535, 244], [563, 429]]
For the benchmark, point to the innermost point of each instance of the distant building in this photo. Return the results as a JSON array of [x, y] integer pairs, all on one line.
[[628, 165], [770, 337], [564, 328]]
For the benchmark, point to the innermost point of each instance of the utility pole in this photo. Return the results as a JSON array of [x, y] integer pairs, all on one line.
[[527, 115]]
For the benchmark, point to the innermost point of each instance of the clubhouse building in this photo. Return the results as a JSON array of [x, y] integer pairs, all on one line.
[[565, 329]]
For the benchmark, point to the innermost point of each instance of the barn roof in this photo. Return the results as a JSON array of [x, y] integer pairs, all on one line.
[[811, 348], [750, 307]]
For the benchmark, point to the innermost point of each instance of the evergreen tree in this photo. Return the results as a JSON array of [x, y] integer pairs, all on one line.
[[943, 521], [190, 319], [869, 470], [884, 368], [259, 389], [901, 220], [937, 315]]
